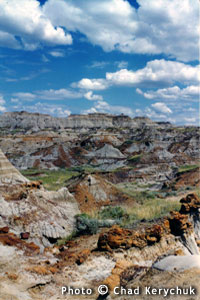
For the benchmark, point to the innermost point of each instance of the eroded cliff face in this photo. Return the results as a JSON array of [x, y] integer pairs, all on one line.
[[149, 153], [28, 209], [35, 121], [32, 219]]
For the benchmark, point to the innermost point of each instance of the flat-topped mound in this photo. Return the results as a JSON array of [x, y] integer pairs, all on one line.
[[36, 121]]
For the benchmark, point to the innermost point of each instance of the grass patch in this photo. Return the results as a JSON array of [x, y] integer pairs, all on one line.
[[135, 158], [51, 179], [185, 168], [148, 205], [111, 212], [152, 209], [130, 188]]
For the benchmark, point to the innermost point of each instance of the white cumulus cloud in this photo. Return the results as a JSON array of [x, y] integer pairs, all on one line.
[[90, 96], [91, 84], [159, 26], [156, 71], [105, 107], [162, 107], [26, 19], [44, 108], [172, 93]]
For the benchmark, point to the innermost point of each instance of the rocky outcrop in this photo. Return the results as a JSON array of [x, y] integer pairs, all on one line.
[[145, 154], [141, 257], [93, 192], [118, 237], [190, 177], [8, 173], [31, 212], [177, 224], [46, 216], [178, 263], [107, 158], [35, 121]]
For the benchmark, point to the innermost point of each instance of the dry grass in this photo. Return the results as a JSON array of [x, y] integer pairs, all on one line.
[[152, 209]]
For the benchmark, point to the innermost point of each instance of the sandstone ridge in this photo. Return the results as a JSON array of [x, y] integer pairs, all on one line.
[[37, 121]]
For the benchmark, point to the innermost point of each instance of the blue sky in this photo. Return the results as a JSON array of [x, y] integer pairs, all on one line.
[[115, 56]]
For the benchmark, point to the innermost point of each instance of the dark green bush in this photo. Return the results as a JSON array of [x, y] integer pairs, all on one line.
[[111, 212], [86, 225]]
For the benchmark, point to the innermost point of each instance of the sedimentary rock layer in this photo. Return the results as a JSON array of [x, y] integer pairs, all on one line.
[[8, 173]]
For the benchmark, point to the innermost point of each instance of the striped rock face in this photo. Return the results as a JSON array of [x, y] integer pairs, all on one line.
[[8, 173]]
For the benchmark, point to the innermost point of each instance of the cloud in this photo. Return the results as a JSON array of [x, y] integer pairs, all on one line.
[[14, 100], [25, 96], [161, 26], [26, 19], [44, 108], [44, 58], [105, 107], [60, 94], [161, 112], [2, 102], [51, 94], [57, 53], [172, 93], [8, 40], [191, 120], [121, 64], [98, 64], [156, 27], [162, 107], [90, 96], [28, 77], [154, 115], [156, 72], [2, 108], [102, 64], [91, 84]]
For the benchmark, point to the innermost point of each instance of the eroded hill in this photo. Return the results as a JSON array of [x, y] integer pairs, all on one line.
[[98, 203]]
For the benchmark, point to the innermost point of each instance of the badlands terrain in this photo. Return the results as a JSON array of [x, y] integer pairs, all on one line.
[[97, 199]]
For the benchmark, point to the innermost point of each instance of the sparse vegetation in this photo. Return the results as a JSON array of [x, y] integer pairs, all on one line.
[[51, 179], [111, 212], [86, 224], [135, 158], [134, 191], [149, 204], [70, 237], [151, 209], [186, 168]]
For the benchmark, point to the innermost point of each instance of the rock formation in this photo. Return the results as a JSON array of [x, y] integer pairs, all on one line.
[[8, 173], [112, 161], [93, 192], [36, 121], [27, 208]]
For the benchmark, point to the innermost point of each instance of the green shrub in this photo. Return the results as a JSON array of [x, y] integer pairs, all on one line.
[[66, 239], [111, 212], [86, 225]]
